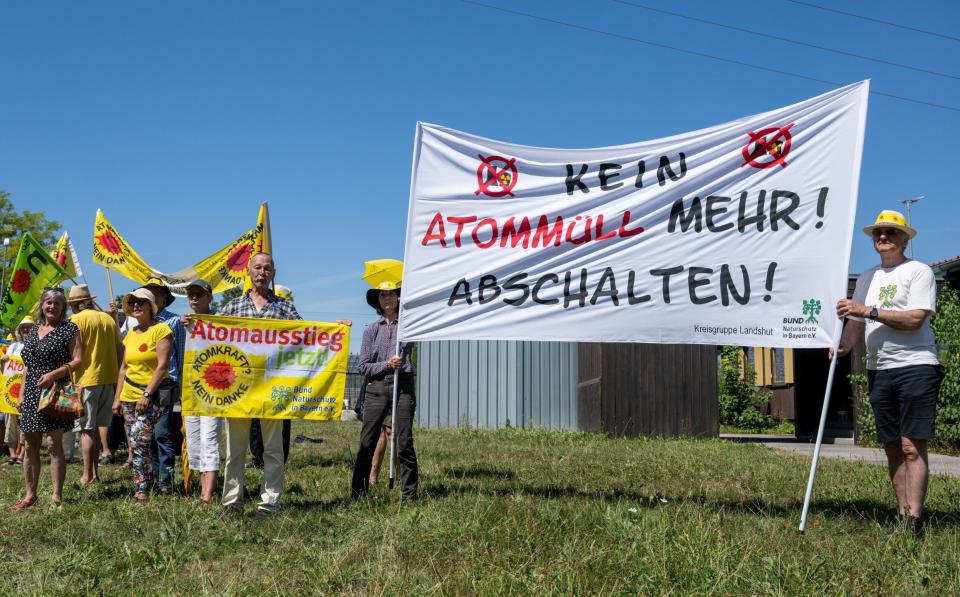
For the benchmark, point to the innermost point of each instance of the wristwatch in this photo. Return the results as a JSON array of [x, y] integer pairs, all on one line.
[[873, 313], [146, 394]]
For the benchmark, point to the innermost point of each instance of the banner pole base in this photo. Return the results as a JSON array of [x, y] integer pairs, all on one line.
[[816, 449]]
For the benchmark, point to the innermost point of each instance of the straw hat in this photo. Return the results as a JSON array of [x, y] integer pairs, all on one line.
[[25, 321], [80, 292], [140, 293], [373, 295], [891, 219]]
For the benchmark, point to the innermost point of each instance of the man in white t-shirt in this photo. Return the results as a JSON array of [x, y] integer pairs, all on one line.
[[892, 305]]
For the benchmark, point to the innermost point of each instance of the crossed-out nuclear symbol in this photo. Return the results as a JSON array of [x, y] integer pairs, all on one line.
[[489, 175], [767, 147]]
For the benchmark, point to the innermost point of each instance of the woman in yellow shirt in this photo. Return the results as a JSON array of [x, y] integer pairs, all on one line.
[[146, 354]]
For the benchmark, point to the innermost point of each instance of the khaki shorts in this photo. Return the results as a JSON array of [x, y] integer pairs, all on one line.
[[12, 434], [97, 407]]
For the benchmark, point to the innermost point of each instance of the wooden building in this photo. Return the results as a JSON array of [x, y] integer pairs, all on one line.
[[664, 390]]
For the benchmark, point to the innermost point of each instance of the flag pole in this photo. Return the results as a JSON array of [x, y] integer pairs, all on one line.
[[110, 290], [393, 417], [816, 449]]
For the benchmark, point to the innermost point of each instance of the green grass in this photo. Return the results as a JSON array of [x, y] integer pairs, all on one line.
[[507, 512], [781, 428]]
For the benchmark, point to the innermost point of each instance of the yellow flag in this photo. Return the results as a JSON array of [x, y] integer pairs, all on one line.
[[225, 269], [65, 255], [263, 241], [112, 251]]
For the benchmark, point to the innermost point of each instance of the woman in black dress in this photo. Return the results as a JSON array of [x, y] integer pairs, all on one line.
[[50, 352]]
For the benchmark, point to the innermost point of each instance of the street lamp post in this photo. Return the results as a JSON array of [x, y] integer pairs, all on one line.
[[908, 203]]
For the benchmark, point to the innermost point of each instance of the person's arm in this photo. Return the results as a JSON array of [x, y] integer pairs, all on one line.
[[180, 338], [367, 365], [898, 320], [76, 357], [120, 381], [20, 399], [164, 350]]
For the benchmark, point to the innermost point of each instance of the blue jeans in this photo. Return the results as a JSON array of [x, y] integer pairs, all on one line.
[[163, 450]]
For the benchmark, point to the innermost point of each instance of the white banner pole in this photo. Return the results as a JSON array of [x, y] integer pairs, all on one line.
[[816, 449], [393, 421]]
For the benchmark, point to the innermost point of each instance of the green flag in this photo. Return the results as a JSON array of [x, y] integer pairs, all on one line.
[[34, 270]]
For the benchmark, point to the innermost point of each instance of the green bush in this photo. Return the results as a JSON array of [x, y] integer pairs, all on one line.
[[740, 400], [946, 330], [868, 427]]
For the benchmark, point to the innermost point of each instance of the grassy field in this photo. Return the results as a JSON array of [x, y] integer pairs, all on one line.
[[501, 512]]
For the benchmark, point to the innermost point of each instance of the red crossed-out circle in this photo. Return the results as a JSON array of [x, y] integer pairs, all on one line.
[[489, 175], [760, 146]]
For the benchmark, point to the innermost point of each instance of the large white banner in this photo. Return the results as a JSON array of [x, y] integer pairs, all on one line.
[[735, 234]]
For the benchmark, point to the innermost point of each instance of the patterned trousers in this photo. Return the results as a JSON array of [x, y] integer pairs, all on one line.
[[139, 432]]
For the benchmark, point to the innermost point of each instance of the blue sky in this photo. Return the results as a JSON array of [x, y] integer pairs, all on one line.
[[179, 118]]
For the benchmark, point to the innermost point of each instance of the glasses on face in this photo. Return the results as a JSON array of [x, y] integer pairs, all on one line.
[[888, 232], [196, 296], [136, 303], [56, 289]]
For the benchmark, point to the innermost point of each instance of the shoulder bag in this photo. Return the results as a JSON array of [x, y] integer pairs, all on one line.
[[62, 400]]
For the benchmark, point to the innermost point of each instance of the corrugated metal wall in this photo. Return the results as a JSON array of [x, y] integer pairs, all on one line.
[[490, 384]]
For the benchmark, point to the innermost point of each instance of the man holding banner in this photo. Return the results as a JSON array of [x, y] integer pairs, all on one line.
[[258, 302], [891, 308]]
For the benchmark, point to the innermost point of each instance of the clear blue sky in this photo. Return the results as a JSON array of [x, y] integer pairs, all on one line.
[[179, 118]]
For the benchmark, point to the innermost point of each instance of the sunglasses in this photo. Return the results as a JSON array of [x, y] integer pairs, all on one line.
[[888, 232], [196, 296], [53, 289], [136, 302]]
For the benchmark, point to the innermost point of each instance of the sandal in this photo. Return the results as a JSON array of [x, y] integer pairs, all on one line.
[[105, 459], [23, 504]]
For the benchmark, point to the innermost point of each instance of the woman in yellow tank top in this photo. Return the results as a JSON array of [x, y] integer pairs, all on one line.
[[146, 354]]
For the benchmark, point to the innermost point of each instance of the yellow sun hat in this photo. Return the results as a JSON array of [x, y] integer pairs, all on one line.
[[891, 219]]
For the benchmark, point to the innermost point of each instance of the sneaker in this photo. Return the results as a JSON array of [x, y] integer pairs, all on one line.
[[916, 527]]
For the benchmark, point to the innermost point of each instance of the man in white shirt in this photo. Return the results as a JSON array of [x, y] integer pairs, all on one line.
[[891, 306]]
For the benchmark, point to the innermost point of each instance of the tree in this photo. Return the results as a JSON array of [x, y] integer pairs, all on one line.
[[740, 399], [225, 297], [14, 224]]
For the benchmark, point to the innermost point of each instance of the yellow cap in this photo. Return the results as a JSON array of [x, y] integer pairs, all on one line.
[[891, 219]]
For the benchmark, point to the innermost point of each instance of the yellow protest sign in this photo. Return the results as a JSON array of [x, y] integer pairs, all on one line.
[[112, 251], [241, 367], [11, 385]]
